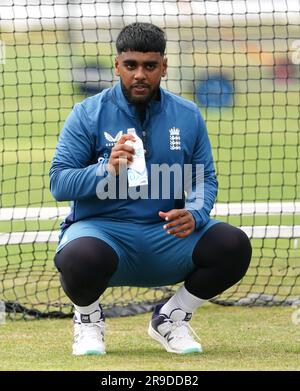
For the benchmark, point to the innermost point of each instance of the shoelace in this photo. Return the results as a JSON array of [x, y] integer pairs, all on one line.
[[181, 329], [93, 329]]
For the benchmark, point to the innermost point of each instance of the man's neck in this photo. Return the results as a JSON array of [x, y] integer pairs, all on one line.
[[141, 108]]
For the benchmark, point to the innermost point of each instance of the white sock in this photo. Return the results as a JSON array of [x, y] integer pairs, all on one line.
[[182, 299], [87, 310]]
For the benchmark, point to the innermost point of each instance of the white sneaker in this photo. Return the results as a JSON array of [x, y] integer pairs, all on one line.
[[174, 333], [89, 333]]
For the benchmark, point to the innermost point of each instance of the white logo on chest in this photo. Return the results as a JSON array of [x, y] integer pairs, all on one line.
[[112, 140], [175, 143]]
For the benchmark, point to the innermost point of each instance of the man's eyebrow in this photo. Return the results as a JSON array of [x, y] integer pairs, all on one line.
[[153, 62], [131, 62]]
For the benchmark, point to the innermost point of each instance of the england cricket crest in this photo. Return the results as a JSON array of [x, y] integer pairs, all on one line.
[[175, 143]]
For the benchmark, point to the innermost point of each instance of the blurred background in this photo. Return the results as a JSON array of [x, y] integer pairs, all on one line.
[[237, 60]]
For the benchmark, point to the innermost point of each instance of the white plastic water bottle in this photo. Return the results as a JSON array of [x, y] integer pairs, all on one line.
[[137, 170]]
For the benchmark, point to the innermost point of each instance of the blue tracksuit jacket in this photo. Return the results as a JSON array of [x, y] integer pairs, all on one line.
[[91, 130]]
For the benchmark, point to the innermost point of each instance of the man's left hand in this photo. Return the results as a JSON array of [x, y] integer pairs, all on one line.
[[180, 222]]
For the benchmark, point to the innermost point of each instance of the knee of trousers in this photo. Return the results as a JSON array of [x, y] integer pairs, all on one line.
[[239, 251], [89, 258]]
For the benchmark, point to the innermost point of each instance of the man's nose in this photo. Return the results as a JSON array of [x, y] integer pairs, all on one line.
[[139, 73]]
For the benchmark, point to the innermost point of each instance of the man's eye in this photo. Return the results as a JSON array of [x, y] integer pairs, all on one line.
[[150, 67], [130, 67]]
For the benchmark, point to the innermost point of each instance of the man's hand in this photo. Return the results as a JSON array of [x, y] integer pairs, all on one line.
[[121, 155], [180, 222]]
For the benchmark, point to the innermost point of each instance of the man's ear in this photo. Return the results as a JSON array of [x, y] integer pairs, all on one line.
[[117, 72], [165, 66]]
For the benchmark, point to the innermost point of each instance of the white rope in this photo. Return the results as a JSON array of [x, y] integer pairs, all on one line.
[[220, 209], [256, 232]]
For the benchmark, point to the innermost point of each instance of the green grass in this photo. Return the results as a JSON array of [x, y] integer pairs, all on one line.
[[31, 278], [232, 338], [256, 150]]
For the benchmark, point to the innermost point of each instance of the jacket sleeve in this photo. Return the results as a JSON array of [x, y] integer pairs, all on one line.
[[201, 190], [72, 176]]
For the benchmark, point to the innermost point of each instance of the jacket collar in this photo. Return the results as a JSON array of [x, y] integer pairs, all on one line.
[[153, 107]]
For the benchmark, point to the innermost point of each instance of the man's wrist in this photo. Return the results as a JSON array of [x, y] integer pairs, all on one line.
[[196, 217]]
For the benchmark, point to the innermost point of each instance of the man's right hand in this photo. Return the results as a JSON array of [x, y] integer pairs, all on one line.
[[121, 155]]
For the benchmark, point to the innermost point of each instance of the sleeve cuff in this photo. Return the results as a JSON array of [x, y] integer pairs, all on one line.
[[199, 221]]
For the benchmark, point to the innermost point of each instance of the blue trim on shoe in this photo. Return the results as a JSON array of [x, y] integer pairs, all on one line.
[[157, 318], [94, 353], [157, 308]]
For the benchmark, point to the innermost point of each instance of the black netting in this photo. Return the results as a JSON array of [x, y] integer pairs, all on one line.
[[238, 60]]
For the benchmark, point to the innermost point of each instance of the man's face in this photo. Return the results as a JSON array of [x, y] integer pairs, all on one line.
[[140, 74]]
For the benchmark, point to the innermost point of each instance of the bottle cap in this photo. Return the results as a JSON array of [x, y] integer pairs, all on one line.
[[131, 131]]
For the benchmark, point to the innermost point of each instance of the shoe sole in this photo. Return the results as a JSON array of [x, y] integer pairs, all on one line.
[[90, 353], [158, 338]]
